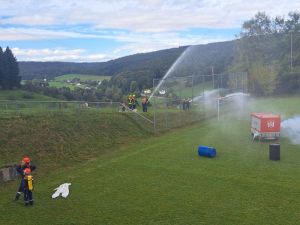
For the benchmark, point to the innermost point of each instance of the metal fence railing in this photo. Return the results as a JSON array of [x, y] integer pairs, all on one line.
[[14, 108], [144, 121], [179, 101], [9, 108]]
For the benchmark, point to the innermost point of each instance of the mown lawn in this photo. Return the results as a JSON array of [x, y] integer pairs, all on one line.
[[162, 180]]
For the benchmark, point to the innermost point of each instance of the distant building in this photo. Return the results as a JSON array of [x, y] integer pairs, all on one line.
[[147, 91], [162, 92]]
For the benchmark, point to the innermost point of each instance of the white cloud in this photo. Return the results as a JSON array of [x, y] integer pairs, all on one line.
[[135, 25], [17, 33], [58, 54], [29, 20], [139, 43], [141, 15], [131, 43]]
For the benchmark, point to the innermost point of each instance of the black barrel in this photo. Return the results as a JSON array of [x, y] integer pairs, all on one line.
[[274, 152]]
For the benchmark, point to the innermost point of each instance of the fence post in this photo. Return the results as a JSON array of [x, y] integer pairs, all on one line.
[[17, 108], [154, 114], [192, 87], [166, 114]]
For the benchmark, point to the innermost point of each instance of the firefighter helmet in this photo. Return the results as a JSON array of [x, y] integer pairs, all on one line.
[[27, 171], [26, 160]]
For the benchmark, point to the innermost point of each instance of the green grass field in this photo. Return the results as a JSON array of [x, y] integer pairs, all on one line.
[[14, 103], [61, 81], [161, 179], [23, 95], [61, 84], [82, 77]]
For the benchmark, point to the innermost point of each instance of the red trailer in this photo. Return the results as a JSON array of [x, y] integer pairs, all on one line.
[[265, 126]]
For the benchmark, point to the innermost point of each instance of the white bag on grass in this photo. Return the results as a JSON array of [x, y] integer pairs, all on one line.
[[62, 190]]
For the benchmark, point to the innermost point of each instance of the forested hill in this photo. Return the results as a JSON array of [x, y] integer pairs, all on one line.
[[153, 64]]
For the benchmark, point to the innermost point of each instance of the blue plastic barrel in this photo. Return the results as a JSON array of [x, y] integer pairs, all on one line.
[[207, 151]]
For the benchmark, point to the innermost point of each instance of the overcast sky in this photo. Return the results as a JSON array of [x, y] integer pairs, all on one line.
[[90, 30]]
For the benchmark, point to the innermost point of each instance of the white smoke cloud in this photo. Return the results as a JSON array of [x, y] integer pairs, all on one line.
[[291, 129]]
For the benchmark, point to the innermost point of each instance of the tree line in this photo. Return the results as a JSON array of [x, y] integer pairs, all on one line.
[[9, 70], [268, 50]]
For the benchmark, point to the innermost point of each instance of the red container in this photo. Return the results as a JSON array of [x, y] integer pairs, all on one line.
[[265, 126]]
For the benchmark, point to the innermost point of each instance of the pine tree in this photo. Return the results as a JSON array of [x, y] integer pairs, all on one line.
[[1, 68], [11, 70]]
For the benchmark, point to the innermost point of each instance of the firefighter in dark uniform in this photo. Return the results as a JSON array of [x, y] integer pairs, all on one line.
[[28, 187], [145, 103], [130, 102], [134, 102], [20, 169]]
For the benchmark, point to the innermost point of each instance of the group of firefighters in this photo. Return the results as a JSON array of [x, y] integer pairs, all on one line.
[[132, 102], [26, 184]]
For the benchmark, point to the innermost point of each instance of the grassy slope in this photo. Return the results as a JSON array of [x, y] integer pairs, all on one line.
[[21, 102], [82, 77], [23, 95], [66, 137], [161, 180]]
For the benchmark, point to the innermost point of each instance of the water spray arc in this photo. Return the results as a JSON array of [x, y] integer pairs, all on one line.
[[169, 72], [186, 93]]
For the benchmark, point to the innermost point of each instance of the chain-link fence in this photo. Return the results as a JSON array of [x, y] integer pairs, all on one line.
[[183, 100], [12, 108], [22, 108], [178, 101], [143, 120]]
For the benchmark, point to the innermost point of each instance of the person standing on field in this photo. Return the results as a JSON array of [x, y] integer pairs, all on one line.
[[25, 163], [28, 187], [145, 103]]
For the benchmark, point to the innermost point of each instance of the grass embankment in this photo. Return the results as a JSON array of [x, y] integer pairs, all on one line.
[[162, 180], [58, 139], [21, 95], [16, 102]]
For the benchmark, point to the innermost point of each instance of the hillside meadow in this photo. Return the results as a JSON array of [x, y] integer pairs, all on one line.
[[21, 95], [65, 80]]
